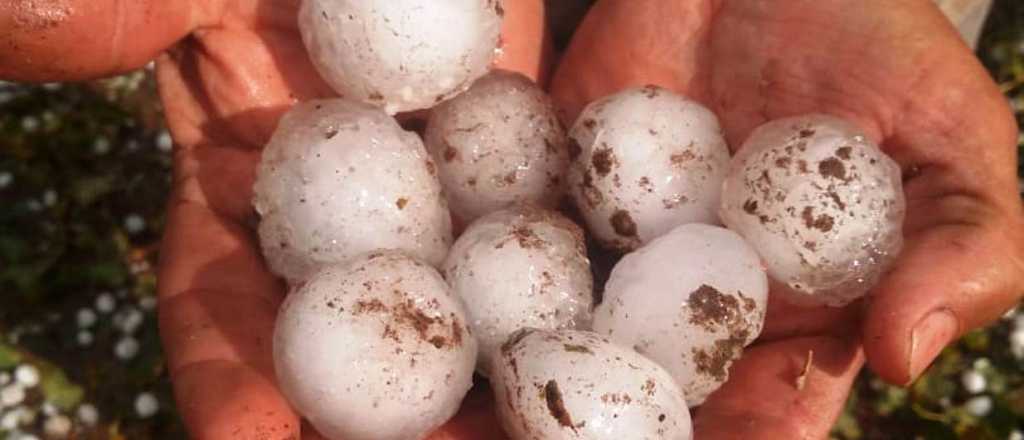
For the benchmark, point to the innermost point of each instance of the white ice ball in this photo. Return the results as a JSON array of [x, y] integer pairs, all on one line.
[[516, 268], [400, 54], [376, 348], [340, 178], [821, 203], [690, 300], [571, 384], [646, 160], [498, 143]]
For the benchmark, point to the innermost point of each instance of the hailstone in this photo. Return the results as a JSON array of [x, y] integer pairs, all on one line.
[[498, 143], [572, 384], [646, 160], [821, 203], [516, 268], [376, 348], [690, 300], [340, 178], [400, 54]]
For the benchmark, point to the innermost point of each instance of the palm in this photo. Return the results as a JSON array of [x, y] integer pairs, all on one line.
[[899, 70]]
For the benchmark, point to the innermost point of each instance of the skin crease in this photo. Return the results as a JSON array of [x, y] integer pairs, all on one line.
[[897, 68]]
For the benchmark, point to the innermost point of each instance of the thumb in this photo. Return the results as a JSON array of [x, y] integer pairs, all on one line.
[[74, 40]]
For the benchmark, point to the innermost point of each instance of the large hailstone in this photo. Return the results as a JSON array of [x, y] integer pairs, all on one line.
[[522, 267], [376, 349], [647, 160], [576, 385], [340, 178], [498, 143], [690, 300], [401, 54], [821, 203]]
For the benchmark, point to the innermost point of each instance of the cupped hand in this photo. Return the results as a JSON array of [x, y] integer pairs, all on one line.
[[227, 72], [899, 70]]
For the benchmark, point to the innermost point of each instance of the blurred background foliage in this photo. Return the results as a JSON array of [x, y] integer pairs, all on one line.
[[84, 174]]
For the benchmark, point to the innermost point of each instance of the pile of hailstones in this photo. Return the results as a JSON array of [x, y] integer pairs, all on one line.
[[387, 319]]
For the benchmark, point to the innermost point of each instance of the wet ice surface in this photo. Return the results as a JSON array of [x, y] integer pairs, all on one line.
[[690, 300], [400, 54], [340, 178], [377, 349], [646, 160], [516, 268], [498, 143], [575, 384], [822, 205]]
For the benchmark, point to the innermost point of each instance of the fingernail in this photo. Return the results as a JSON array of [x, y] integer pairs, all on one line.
[[929, 337]]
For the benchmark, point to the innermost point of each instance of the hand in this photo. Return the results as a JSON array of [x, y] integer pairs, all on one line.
[[234, 68], [899, 70]]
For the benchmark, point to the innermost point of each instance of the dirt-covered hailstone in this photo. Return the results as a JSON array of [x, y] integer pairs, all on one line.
[[400, 54], [571, 384], [521, 267], [821, 203], [646, 160], [340, 178], [498, 143], [690, 300], [376, 349]]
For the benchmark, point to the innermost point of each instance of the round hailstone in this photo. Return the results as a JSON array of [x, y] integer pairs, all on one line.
[[340, 178], [648, 160], [690, 300], [522, 267], [574, 384], [822, 205], [84, 338], [973, 382], [498, 143], [377, 348], [11, 395], [400, 54]]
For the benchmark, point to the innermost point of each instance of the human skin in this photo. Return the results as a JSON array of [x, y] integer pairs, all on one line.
[[228, 70]]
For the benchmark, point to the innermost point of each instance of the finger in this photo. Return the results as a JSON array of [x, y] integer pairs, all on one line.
[[774, 393], [623, 43], [76, 40], [947, 281], [217, 311], [526, 44]]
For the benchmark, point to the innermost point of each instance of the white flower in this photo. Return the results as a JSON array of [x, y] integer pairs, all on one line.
[[27, 375], [134, 223], [1017, 343], [105, 302], [88, 414], [101, 146], [84, 338], [164, 141], [148, 303], [29, 123], [128, 320], [126, 348], [979, 406], [11, 395], [973, 381], [58, 426], [85, 318], [146, 405]]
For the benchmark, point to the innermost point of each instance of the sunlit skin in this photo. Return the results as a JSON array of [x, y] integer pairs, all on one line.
[[228, 69]]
